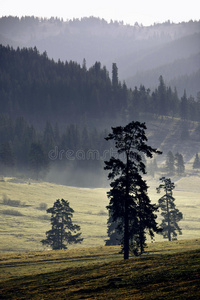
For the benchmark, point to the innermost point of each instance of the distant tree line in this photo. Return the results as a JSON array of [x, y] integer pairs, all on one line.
[[41, 89], [25, 149], [32, 151], [34, 89], [174, 165]]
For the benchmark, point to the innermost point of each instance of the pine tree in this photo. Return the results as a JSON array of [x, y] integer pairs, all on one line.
[[7, 158], [62, 227], [170, 160], [37, 160], [196, 163], [184, 107], [179, 162], [129, 203], [171, 215], [114, 235], [48, 137], [162, 97], [115, 80]]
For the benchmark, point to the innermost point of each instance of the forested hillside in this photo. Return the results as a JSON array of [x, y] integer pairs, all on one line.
[[54, 116], [41, 89], [161, 49]]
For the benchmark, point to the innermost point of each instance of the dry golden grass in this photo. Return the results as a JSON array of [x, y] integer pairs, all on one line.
[[24, 233]]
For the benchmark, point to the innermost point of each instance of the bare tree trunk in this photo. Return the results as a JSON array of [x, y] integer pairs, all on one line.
[[126, 221], [168, 221]]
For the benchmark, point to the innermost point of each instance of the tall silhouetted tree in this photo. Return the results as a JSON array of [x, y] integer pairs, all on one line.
[[62, 230], [171, 215], [130, 206]]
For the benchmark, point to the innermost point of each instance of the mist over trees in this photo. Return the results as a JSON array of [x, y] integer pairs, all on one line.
[[62, 85], [142, 53], [41, 89], [63, 232], [66, 107], [170, 214]]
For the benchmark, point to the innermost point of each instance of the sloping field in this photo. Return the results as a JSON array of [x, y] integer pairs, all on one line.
[[24, 232], [166, 276], [31, 263], [23, 226]]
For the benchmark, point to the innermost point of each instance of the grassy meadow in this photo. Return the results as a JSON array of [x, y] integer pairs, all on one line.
[[24, 232], [32, 263], [167, 270], [24, 220], [99, 273]]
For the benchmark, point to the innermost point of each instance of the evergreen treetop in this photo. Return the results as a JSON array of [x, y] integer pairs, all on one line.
[[171, 215], [130, 205], [196, 163], [62, 230]]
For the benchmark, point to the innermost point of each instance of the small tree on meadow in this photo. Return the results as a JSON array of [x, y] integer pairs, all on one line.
[[62, 230], [171, 215]]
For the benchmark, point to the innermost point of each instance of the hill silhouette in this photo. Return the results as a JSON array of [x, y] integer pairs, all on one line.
[[135, 49]]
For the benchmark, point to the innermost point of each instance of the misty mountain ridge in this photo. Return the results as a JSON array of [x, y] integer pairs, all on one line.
[[174, 75], [138, 50], [56, 107]]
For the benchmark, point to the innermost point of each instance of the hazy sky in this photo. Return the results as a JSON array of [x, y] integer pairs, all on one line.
[[130, 11]]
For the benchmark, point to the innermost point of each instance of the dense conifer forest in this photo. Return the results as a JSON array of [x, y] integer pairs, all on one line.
[[142, 53], [41, 89], [56, 107]]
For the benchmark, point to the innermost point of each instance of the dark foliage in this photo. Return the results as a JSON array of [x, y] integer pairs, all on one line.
[[179, 163], [171, 215], [37, 160], [196, 163], [170, 163], [35, 152], [62, 230], [130, 207], [33, 86], [52, 95]]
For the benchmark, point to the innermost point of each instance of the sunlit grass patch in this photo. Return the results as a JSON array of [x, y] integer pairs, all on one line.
[[90, 211]]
